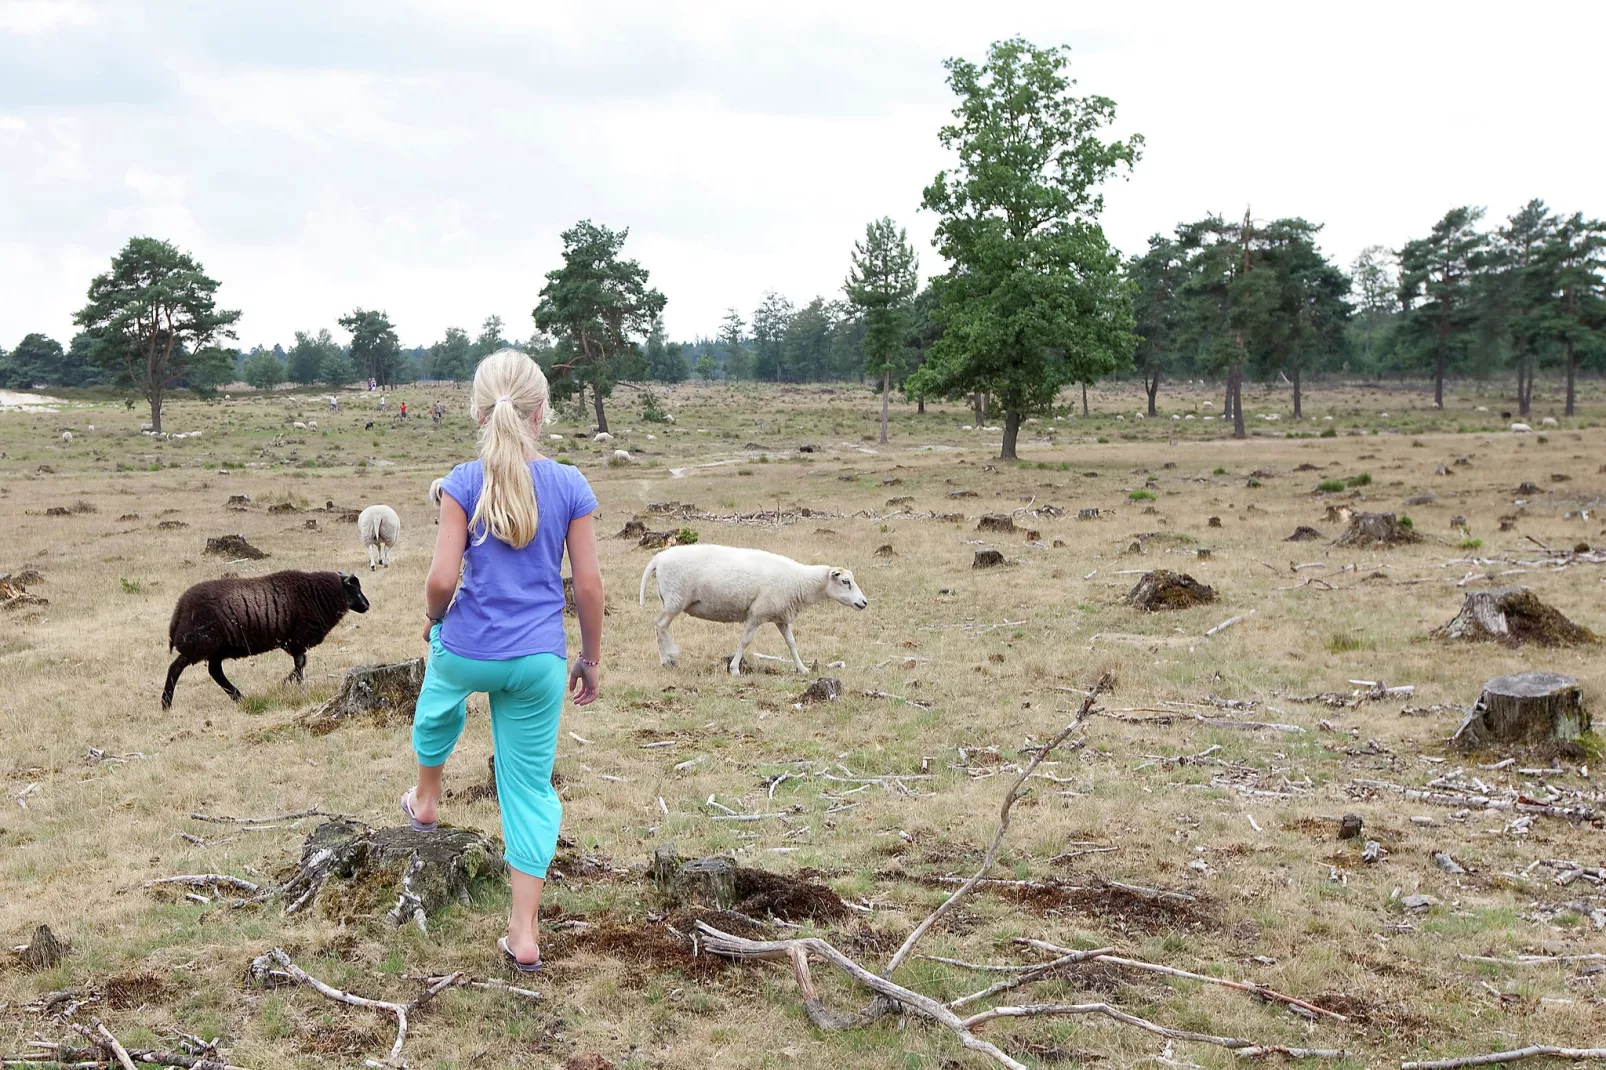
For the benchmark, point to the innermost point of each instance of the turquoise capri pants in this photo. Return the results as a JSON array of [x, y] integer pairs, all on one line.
[[526, 696]]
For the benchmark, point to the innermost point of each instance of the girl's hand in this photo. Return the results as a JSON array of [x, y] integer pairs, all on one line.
[[429, 632], [583, 683]]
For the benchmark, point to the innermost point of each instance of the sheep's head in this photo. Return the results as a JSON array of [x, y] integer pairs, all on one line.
[[845, 589], [355, 599]]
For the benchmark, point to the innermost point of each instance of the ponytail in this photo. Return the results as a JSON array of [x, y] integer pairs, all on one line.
[[509, 400]]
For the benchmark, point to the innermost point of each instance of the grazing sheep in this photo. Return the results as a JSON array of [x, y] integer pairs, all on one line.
[[731, 583], [622, 456], [66, 438], [603, 436], [235, 618], [1549, 421], [91, 427], [299, 426], [380, 529], [435, 497], [312, 425], [1521, 427]]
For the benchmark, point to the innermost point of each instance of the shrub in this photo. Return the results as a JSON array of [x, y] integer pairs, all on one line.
[[1328, 432], [685, 537], [1344, 642], [1141, 496], [1329, 486], [1362, 480], [650, 411], [1253, 482], [1405, 522], [1219, 472], [132, 586], [1469, 544], [564, 460], [1542, 439]]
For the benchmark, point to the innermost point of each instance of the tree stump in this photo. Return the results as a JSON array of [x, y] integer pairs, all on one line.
[[987, 559], [386, 693], [1303, 533], [44, 951], [351, 872], [1530, 707], [997, 522], [1513, 616], [233, 546], [1377, 529], [706, 882], [633, 529], [1163, 589], [822, 690]]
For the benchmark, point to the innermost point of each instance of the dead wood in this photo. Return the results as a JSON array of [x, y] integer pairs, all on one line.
[[821, 690], [1529, 707], [1303, 534], [353, 872], [998, 522], [987, 559], [1531, 1052], [1377, 530], [386, 693], [45, 951], [1513, 616]]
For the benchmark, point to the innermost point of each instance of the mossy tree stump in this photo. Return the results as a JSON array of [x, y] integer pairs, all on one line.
[[1163, 589], [1377, 529], [385, 693], [1529, 707], [1513, 615]]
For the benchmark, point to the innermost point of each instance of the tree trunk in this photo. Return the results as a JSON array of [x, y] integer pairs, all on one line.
[[1438, 373], [1226, 404], [1237, 402], [886, 388], [975, 408], [1011, 431], [1299, 413], [1572, 374], [920, 405], [1151, 386], [1524, 387], [156, 410], [1084, 399], [602, 417]]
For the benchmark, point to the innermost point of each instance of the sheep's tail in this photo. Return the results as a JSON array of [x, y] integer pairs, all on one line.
[[652, 566]]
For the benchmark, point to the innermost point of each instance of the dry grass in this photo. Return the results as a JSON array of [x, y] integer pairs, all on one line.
[[990, 652]]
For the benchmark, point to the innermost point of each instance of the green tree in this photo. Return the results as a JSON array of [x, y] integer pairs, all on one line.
[[1158, 309], [1375, 287], [880, 283], [1519, 288], [154, 317], [705, 367], [1218, 261], [452, 358], [770, 321], [1034, 298], [737, 365], [597, 304], [375, 350], [1578, 252], [1437, 276], [308, 359], [1294, 302], [263, 370], [806, 345], [924, 330], [665, 360], [490, 339], [37, 360]]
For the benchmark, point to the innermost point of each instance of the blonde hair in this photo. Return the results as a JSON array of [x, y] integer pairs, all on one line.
[[510, 402]]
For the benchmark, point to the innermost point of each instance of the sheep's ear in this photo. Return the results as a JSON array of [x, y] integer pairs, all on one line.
[[836, 573]]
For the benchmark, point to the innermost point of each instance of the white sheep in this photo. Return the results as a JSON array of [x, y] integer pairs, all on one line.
[[1521, 428], [623, 456], [299, 426], [91, 427], [66, 438], [435, 493], [1549, 421], [732, 583], [380, 529], [603, 436], [312, 425]]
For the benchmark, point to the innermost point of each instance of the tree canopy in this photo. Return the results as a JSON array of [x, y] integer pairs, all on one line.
[[375, 350], [880, 284]]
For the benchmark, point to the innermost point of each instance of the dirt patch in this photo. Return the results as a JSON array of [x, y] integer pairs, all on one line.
[[170, 525], [233, 546], [1366, 1012], [1163, 589], [587, 1061], [135, 990], [1303, 534], [790, 898], [342, 1033], [651, 944], [1145, 913]]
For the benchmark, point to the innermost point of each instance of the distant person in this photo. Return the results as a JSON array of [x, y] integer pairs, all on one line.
[[437, 413], [381, 403], [404, 410], [494, 598], [334, 403]]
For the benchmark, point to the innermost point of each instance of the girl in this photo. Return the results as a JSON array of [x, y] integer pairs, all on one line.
[[504, 522]]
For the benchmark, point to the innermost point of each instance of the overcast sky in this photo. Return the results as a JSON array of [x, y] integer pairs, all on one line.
[[422, 157]]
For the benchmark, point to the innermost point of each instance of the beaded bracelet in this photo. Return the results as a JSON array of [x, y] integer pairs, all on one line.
[[588, 662]]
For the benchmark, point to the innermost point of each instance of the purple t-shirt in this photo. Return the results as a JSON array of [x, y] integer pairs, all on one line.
[[510, 602]]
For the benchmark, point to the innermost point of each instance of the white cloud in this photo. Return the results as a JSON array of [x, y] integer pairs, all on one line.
[[423, 157]]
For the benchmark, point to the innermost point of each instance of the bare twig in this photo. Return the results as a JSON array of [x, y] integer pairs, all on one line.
[[1531, 1052], [1213, 722], [298, 815], [1010, 798], [1533, 960], [207, 880], [118, 1051]]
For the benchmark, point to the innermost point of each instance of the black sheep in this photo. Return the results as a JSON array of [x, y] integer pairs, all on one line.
[[235, 618]]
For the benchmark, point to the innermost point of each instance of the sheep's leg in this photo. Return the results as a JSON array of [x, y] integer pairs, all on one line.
[[180, 663], [668, 652], [297, 674], [384, 554], [215, 667], [748, 631], [791, 644], [373, 557]]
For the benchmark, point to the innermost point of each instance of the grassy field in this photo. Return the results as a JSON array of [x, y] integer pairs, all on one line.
[[97, 782]]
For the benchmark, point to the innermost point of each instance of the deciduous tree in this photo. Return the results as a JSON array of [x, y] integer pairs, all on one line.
[[154, 318], [1035, 298], [262, 369]]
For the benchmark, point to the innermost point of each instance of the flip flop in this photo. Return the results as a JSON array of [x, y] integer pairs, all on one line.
[[522, 967], [407, 812]]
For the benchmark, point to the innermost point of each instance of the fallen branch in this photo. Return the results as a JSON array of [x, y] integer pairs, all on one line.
[[292, 972], [298, 815], [1199, 718], [207, 880], [1532, 1052], [111, 1042], [100, 1056], [1228, 623], [1533, 960], [1260, 991], [897, 698]]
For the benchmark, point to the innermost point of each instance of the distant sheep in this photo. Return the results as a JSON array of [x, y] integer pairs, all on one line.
[[312, 425], [1549, 421], [380, 530], [299, 426], [91, 427], [435, 497], [603, 436], [622, 456], [731, 583], [66, 438], [1521, 428], [235, 618]]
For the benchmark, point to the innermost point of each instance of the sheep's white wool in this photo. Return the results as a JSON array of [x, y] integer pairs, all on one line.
[[91, 427], [66, 436], [1549, 421], [621, 455], [312, 425], [299, 426], [380, 530], [603, 436], [555, 438], [1521, 427], [731, 583], [435, 492]]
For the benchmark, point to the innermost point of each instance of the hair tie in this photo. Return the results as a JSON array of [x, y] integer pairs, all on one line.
[[505, 397]]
